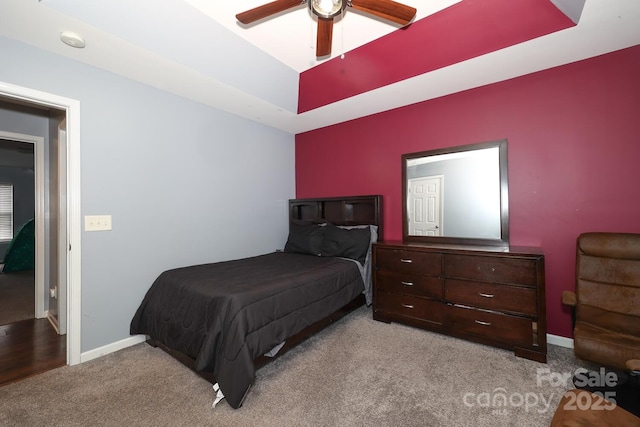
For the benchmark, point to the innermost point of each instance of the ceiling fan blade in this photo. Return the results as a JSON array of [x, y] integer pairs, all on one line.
[[386, 9], [265, 10], [325, 34]]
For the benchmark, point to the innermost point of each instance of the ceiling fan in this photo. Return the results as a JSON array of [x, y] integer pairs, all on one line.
[[326, 10]]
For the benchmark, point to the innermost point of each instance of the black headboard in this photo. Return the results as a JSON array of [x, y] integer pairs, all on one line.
[[355, 210]]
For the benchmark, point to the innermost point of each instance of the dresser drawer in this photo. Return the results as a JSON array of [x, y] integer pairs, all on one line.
[[406, 261], [409, 284], [491, 269], [490, 325], [490, 296], [409, 306]]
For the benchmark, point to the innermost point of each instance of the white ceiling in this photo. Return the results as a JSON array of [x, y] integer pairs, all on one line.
[[274, 35], [605, 26]]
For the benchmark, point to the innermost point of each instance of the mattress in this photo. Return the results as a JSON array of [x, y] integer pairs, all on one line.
[[226, 314]]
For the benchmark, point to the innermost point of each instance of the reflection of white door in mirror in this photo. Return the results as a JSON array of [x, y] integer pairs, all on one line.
[[425, 206]]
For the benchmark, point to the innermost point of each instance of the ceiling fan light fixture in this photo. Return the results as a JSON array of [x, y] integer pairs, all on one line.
[[327, 8]]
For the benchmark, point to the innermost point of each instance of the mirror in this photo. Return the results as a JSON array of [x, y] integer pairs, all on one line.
[[457, 195]]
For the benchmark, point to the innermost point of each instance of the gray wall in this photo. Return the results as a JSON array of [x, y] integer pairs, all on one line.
[[185, 183]]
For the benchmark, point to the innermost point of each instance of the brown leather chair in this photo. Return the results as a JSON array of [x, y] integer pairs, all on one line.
[[606, 315], [607, 299], [581, 408]]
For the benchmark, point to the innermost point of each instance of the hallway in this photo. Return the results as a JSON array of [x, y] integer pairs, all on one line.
[[28, 346]]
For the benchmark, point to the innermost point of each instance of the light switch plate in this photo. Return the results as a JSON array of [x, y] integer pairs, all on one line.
[[97, 222]]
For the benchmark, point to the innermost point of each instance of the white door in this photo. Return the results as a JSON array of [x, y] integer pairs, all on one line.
[[58, 237], [425, 206], [63, 241]]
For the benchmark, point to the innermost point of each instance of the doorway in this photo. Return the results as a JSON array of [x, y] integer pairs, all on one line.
[[29, 202], [69, 111], [32, 342], [20, 182]]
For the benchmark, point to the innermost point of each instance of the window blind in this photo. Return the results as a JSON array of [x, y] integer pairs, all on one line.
[[6, 212]]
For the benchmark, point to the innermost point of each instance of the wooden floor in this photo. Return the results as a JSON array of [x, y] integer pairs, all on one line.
[[28, 348]]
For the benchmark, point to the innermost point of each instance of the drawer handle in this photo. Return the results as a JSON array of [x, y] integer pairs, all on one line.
[[408, 261], [407, 306], [485, 295], [407, 283], [480, 322]]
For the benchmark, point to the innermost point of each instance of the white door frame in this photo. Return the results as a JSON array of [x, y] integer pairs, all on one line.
[[62, 244], [72, 109], [38, 156]]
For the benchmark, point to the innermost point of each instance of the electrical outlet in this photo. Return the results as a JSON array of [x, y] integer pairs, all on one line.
[[97, 222]]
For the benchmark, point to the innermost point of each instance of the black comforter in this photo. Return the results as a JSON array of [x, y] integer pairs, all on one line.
[[226, 314]]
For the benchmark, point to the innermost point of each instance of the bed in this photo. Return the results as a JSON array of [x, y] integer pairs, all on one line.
[[226, 319]]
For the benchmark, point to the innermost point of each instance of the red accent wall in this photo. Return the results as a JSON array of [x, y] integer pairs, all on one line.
[[574, 156], [465, 30]]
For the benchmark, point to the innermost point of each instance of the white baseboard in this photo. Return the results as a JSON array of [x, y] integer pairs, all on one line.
[[137, 339], [53, 321], [111, 348], [560, 341]]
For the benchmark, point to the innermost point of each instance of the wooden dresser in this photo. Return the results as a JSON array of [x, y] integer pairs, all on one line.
[[489, 295]]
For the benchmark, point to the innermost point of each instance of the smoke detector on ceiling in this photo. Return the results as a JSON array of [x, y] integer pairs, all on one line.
[[72, 39]]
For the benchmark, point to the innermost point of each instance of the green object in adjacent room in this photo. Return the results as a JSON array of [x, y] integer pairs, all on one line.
[[21, 251]]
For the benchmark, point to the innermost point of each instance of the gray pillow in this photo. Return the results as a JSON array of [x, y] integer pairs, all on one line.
[[347, 243]]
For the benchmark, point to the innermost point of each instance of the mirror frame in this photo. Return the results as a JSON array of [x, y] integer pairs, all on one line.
[[504, 197]]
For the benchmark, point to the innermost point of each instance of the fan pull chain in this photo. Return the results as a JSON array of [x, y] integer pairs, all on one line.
[[342, 35], [312, 34]]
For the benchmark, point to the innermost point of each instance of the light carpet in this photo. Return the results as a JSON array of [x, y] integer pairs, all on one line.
[[357, 372]]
